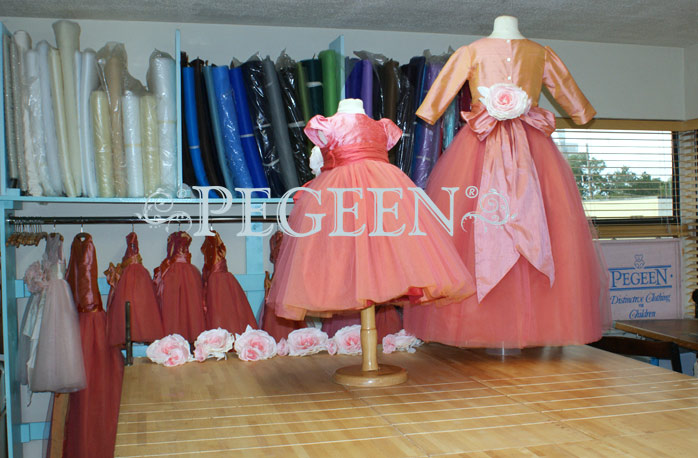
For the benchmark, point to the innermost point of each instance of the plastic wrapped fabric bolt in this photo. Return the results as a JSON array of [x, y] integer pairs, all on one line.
[[10, 138], [313, 72], [150, 147], [405, 120], [189, 109], [203, 118], [35, 155], [302, 91], [49, 124], [88, 82], [101, 131], [378, 61], [428, 148], [188, 175], [22, 44], [223, 163], [330, 85], [131, 113]]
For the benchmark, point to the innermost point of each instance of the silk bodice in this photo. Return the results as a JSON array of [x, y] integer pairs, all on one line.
[[521, 62], [214, 251], [345, 129], [82, 274]]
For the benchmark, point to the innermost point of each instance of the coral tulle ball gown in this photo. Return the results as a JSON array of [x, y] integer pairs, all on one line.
[[227, 306], [130, 281], [322, 273], [179, 290], [539, 279]]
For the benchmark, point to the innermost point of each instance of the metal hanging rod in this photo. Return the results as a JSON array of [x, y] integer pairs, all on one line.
[[59, 220]]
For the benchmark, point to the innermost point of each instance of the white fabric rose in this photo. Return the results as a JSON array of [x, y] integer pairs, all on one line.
[[504, 101]]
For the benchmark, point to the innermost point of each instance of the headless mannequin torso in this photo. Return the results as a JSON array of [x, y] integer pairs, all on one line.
[[352, 106], [506, 27]]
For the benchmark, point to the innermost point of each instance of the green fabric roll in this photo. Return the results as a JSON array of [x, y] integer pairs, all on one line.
[[330, 94], [302, 89], [313, 71]]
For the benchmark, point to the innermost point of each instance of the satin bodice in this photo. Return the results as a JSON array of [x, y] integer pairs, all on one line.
[[132, 256], [82, 274], [522, 62], [214, 252], [178, 247]]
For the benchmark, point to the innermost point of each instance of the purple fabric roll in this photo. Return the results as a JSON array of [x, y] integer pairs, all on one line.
[[429, 147], [367, 86], [353, 85]]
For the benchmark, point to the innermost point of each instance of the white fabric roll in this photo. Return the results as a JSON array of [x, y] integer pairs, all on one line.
[[68, 41], [130, 108], [161, 82], [54, 60], [149, 139], [88, 83], [37, 169], [22, 43], [10, 138], [54, 169], [101, 129], [114, 74]]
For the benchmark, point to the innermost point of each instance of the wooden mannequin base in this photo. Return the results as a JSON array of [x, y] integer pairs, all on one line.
[[386, 375]]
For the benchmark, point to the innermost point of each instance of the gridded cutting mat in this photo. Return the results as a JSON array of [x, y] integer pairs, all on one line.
[[570, 401]]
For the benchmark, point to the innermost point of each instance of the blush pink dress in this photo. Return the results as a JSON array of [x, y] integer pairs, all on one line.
[[524, 233], [323, 273]]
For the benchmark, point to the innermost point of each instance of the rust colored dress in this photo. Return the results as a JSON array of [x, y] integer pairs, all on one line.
[[179, 291], [131, 282], [226, 303], [90, 429]]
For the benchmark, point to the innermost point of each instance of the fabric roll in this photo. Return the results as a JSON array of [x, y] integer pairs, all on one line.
[[302, 90], [313, 72], [131, 111], [150, 146], [280, 125], [101, 139], [367, 86], [377, 92], [209, 155], [189, 107], [161, 82], [261, 121], [389, 80], [405, 120], [234, 153], [429, 147], [188, 175], [299, 144], [10, 139], [449, 125], [330, 86], [54, 59], [22, 44], [88, 83], [68, 41], [226, 170], [253, 157], [55, 181], [114, 74], [35, 151], [352, 87]]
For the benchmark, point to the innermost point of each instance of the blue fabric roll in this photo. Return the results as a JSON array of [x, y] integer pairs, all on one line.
[[253, 156], [367, 86], [429, 147], [353, 84], [189, 108], [420, 63], [229, 127], [449, 130], [217, 134]]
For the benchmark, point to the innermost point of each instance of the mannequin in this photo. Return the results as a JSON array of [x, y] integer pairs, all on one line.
[[351, 106], [347, 106], [506, 27]]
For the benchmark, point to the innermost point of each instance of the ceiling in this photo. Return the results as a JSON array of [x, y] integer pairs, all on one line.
[[649, 22]]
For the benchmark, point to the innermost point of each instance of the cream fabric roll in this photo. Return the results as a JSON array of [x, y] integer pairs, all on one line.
[[161, 82], [130, 104], [88, 83], [149, 140], [54, 60], [54, 168], [101, 130], [68, 41], [22, 44], [37, 169], [10, 138], [114, 74]]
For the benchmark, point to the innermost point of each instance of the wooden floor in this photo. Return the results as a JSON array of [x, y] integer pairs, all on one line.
[[572, 401]]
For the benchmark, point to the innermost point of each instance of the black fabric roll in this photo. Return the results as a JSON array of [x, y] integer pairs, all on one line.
[[378, 102], [406, 119], [389, 82], [188, 176], [313, 70], [261, 119], [294, 116], [209, 153]]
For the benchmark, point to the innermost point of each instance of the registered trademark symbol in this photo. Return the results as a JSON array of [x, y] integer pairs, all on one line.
[[471, 192]]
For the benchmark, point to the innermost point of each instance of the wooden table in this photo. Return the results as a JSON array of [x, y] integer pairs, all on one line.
[[683, 332], [569, 401]]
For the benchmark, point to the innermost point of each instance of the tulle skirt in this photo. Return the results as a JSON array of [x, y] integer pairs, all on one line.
[[388, 321], [277, 327], [226, 304], [523, 309], [182, 302], [136, 287], [323, 273]]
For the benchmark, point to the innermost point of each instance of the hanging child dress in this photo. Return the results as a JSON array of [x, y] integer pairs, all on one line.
[[341, 266], [130, 281], [226, 303], [524, 234], [179, 291], [93, 413], [58, 364]]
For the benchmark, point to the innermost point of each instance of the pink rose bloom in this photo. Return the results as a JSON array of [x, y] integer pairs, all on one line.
[[505, 101], [331, 347], [306, 341], [170, 351], [254, 345], [34, 278], [214, 343], [348, 340], [400, 341], [282, 347]]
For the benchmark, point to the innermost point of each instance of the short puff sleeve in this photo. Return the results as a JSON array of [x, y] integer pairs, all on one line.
[[319, 130], [392, 132]]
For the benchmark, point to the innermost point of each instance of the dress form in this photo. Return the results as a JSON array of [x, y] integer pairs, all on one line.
[[506, 27]]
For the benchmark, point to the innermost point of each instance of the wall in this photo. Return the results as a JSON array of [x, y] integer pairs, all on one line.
[[691, 81]]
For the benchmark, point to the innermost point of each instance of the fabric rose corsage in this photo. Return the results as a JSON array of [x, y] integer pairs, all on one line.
[[303, 342], [34, 278], [214, 343], [504, 101], [400, 341], [316, 160], [170, 351], [348, 340], [254, 345]]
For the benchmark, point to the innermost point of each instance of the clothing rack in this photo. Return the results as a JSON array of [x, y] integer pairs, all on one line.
[[61, 220]]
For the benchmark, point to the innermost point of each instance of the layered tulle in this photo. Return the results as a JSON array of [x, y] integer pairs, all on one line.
[[523, 309], [181, 301], [388, 321], [227, 306]]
